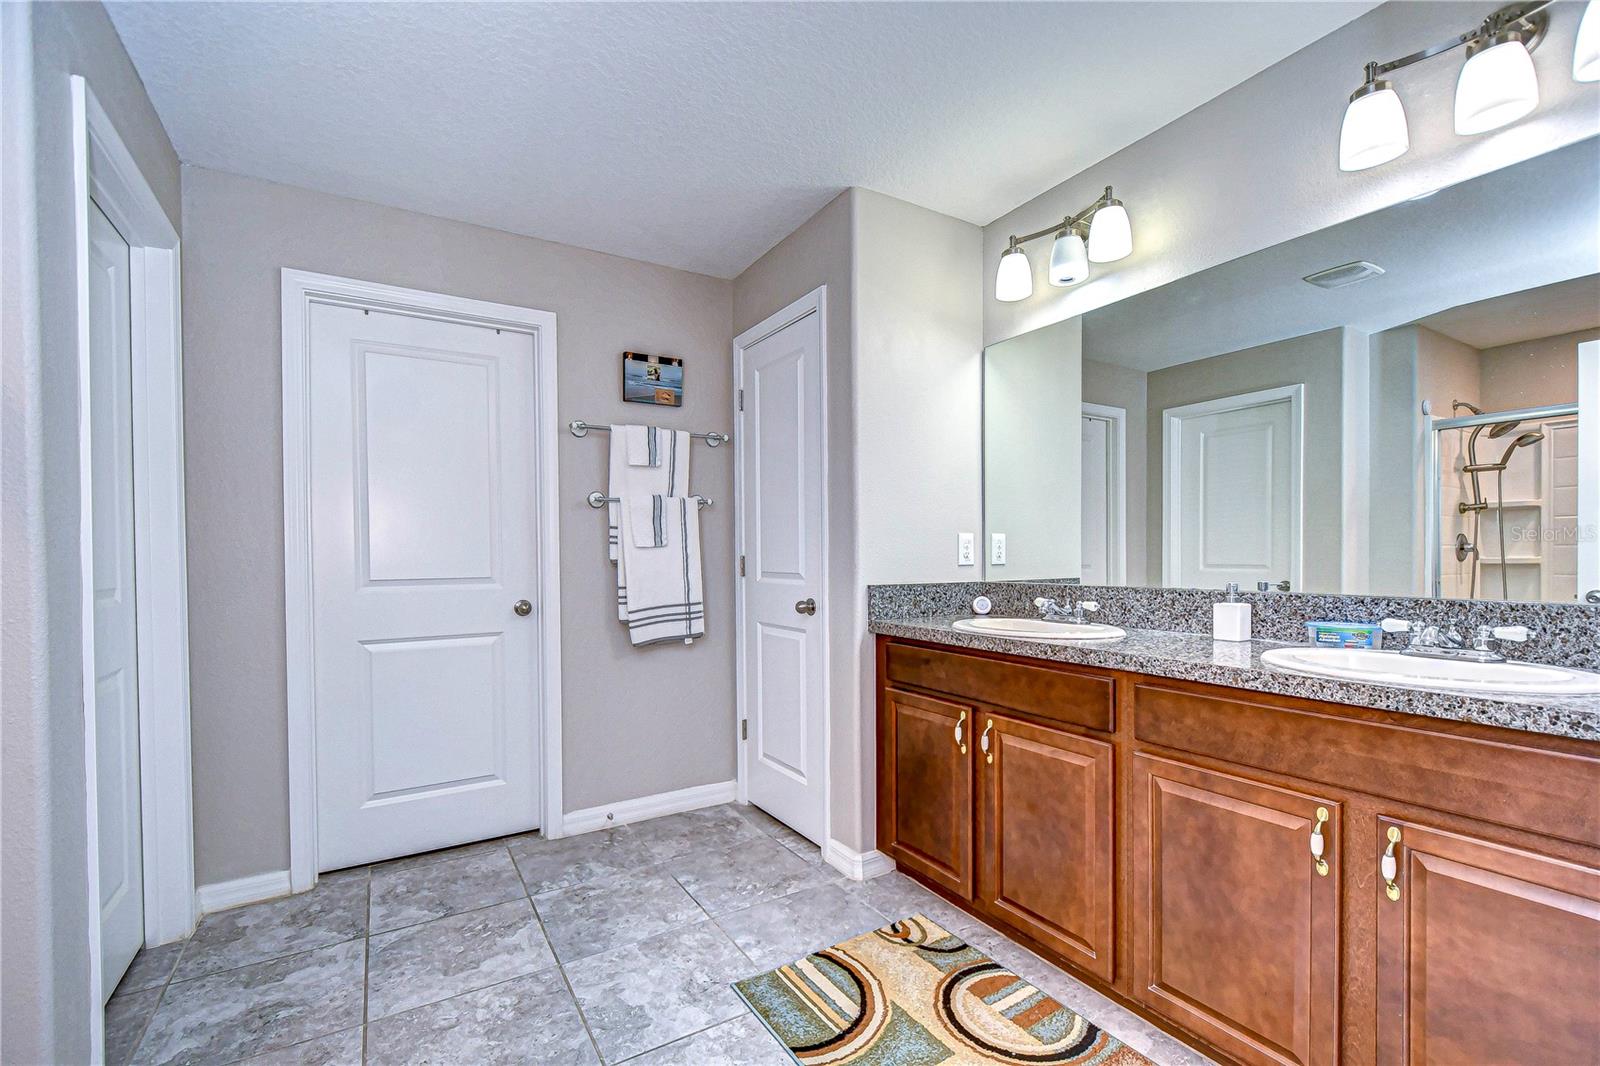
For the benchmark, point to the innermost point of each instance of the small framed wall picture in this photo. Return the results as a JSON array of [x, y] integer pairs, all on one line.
[[656, 379]]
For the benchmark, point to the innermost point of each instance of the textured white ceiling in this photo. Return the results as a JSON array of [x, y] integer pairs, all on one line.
[[694, 135]]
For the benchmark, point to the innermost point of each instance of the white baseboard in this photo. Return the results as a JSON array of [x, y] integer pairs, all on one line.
[[226, 894], [637, 810], [857, 865]]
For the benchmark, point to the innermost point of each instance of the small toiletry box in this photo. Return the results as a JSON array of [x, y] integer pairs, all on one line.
[[1345, 634]]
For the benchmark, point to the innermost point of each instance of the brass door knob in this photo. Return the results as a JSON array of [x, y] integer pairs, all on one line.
[[522, 607], [805, 606]]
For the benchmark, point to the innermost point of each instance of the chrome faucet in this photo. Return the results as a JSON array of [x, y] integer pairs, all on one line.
[[1051, 611], [1436, 643]]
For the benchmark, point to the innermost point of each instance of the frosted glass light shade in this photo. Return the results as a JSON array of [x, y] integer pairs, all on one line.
[[1586, 55], [1014, 280], [1110, 235], [1374, 129], [1496, 86], [1069, 260]]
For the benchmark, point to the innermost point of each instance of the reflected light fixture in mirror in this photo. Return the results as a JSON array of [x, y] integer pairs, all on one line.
[[1069, 259], [1586, 54], [1110, 239], [1497, 84], [1014, 280], [1374, 129]]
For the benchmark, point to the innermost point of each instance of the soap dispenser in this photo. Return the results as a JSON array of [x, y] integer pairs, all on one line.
[[1230, 620]]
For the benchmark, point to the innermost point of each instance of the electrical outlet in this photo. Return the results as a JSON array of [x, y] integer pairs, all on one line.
[[997, 549], [965, 552]]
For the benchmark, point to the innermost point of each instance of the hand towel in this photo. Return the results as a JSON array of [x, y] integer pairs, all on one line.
[[662, 600], [648, 515], [671, 478], [644, 445]]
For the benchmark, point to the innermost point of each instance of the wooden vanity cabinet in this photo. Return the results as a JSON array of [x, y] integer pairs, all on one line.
[[925, 798], [1161, 838], [1045, 859], [1235, 917], [1485, 953]]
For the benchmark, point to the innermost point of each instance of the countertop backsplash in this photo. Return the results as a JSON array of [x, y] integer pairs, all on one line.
[[1561, 634]]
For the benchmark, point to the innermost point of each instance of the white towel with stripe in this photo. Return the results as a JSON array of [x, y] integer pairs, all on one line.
[[663, 599], [669, 476]]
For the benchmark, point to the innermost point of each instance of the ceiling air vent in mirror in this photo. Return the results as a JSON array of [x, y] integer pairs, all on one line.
[[1344, 274]]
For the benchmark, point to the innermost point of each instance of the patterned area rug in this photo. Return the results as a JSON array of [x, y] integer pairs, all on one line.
[[911, 994]]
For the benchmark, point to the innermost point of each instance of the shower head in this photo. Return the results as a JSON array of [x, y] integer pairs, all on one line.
[[1456, 405], [1500, 429], [1523, 441]]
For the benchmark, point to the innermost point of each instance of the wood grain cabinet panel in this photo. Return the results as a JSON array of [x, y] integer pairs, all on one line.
[[1045, 861], [930, 787], [1490, 955], [1235, 933]]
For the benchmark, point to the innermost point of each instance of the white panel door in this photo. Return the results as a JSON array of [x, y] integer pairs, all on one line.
[[1096, 485], [116, 629], [781, 455], [1233, 491], [423, 530]]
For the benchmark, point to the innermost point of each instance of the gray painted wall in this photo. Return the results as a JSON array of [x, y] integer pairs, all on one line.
[[1258, 165], [45, 1003], [1314, 360], [636, 722]]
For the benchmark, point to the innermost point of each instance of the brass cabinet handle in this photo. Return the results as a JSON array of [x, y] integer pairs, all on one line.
[[983, 741], [960, 743], [1319, 842], [1389, 866]]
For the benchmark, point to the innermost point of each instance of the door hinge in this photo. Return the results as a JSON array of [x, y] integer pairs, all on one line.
[[741, 399], [741, 566], [744, 729]]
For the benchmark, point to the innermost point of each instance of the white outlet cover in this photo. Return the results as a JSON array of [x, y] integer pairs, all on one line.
[[997, 549], [966, 551]]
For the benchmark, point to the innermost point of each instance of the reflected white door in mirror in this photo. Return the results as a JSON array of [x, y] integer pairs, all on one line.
[[1233, 494]]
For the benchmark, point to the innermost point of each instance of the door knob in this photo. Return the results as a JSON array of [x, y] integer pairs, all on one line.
[[805, 606], [522, 607]]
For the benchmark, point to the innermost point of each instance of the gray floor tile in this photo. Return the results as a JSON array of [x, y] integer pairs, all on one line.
[[428, 858], [411, 895], [695, 832], [648, 994], [335, 1049], [127, 1013], [150, 968], [739, 877], [449, 956], [896, 896], [335, 910], [547, 865], [741, 1042], [227, 1016], [783, 930], [601, 915], [526, 1020], [759, 818]]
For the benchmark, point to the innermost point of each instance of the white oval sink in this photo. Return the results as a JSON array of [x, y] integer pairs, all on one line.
[[1039, 629], [1416, 671]]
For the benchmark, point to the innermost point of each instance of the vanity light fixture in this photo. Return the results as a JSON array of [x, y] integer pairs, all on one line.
[[1496, 86], [1110, 238], [1586, 54]]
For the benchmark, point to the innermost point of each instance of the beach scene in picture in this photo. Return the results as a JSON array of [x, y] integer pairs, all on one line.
[[656, 379]]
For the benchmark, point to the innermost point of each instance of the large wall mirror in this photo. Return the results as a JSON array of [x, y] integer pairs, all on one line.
[[1407, 403]]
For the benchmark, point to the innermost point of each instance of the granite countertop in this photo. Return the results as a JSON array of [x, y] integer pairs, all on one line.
[[1196, 657]]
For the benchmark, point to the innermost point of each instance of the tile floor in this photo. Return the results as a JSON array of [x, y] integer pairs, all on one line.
[[616, 946]]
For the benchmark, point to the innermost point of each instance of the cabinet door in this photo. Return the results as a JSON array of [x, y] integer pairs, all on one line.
[[1490, 954], [929, 763], [1235, 922], [1044, 852]]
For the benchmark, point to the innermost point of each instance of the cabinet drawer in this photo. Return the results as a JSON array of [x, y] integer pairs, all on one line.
[[1525, 788], [1061, 695]]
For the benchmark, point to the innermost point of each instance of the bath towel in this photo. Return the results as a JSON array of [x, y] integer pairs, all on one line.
[[663, 599], [670, 478]]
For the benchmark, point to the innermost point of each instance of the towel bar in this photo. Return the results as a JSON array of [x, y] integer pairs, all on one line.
[[597, 499], [580, 428]]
